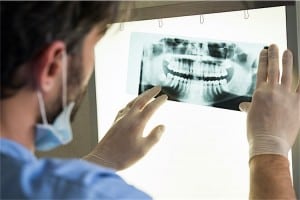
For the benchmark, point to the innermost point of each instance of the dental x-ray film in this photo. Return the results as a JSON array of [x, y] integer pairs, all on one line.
[[197, 70]]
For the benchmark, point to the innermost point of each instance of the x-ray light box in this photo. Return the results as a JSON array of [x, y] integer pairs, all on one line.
[[203, 153]]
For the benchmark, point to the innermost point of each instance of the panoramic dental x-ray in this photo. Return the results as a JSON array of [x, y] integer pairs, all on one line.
[[199, 71]]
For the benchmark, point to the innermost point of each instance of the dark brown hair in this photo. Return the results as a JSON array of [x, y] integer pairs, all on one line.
[[28, 27]]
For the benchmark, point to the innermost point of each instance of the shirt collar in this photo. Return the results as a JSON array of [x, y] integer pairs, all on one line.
[[15, 150]]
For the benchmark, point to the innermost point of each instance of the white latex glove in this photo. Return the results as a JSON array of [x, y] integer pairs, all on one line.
[[273, 119], [124, 144]]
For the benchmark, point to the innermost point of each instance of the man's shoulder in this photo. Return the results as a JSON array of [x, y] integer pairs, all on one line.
[[61, 178]]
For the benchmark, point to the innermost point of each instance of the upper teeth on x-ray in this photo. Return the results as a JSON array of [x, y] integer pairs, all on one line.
[[200, 71]]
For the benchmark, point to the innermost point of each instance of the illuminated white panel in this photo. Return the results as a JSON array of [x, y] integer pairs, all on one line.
[[204, 151]]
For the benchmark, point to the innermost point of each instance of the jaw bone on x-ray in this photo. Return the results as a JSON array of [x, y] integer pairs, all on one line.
[[199, 71]]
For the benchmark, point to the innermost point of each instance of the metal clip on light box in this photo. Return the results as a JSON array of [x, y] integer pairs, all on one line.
[[201, 19], [246, 14], [160, 23], [121, 28]]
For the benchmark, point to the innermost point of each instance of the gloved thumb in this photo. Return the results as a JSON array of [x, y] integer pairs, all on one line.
[[244, 106], [154, 136]]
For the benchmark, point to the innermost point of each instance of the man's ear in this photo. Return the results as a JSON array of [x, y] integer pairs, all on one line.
[[48, 66]]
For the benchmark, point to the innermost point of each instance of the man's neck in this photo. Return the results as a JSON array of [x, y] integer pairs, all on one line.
[[18, 118]]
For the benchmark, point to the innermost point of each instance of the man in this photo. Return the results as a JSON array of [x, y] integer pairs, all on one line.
[[46, 62]]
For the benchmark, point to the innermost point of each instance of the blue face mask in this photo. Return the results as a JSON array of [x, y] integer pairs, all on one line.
[[50, 136]]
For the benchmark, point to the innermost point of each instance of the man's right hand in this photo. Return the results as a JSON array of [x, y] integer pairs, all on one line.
[[273, 123], [273, 118]]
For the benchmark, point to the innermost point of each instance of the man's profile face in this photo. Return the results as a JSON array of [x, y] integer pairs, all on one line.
[[80, 68]]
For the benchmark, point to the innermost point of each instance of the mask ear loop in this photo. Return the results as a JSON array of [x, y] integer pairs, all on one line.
[[64, 78], [64, 90], [42, 107]]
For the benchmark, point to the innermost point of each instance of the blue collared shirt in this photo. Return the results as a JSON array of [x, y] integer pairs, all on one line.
[[25, 176]]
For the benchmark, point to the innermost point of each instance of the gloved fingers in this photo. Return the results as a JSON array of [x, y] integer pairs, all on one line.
[[262, 71], [153, 137], [124, 111], [152, 107], [287, 69], [121, 114], [244, 106], [298, 88], [130, 104], [145, 97], [128, 107], [273, 64]]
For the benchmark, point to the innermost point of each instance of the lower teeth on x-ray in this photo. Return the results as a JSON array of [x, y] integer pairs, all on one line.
[[200, 71]]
